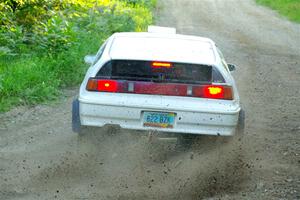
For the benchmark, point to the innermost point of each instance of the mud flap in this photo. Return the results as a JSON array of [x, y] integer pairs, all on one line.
[[76, 125], [241, 123]]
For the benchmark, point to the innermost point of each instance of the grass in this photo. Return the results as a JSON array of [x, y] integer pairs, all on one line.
[[288, 8], [30, 78]]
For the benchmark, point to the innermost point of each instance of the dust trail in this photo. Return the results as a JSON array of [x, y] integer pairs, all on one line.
[[126, 165]]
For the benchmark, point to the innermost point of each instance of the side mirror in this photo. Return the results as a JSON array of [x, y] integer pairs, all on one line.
[[231, 67], [89, 59]]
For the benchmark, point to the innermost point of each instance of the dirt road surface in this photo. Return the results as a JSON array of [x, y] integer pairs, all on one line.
[[40, 157]]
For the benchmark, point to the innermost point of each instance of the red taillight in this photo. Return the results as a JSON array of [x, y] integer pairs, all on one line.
[[102, 85], [107, 86], [215, 92], [161, 65], [169, 89]]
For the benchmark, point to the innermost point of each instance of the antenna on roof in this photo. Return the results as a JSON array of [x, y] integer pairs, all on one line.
[[161, 29]]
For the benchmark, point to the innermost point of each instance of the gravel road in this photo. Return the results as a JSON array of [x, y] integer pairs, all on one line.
[[40, 157]]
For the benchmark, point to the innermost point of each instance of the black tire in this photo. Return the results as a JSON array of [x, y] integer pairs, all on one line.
[[76, 124]]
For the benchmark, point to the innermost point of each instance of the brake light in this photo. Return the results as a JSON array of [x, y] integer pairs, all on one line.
[[217, 92], [102, 85], [161, 64], [107, 85]]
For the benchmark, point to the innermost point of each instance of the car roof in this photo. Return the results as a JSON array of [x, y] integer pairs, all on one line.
[[162, 47]]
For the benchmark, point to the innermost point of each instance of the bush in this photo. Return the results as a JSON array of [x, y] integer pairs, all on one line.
[[43, 42]]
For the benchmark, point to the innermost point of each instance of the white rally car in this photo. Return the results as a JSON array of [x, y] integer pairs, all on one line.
[[160, 81]]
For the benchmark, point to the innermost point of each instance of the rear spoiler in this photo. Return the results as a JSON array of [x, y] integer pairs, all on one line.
[[161, 29]]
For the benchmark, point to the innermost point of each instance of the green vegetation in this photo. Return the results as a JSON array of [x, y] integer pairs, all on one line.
[[43, 42], [288, 8]]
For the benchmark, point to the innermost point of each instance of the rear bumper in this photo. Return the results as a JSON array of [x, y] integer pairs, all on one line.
[[221, 121]]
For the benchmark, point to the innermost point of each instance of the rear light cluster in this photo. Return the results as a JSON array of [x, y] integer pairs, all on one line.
[[170, 89]]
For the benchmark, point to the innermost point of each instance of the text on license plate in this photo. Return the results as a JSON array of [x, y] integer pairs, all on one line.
[[158, 119]]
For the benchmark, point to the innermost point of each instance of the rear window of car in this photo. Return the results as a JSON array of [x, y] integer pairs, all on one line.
[[146, 71]]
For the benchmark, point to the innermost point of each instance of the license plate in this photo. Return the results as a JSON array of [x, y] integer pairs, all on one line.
[[158, 119]]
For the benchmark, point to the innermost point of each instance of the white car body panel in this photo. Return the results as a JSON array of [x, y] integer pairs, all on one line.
[[193, 115]]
